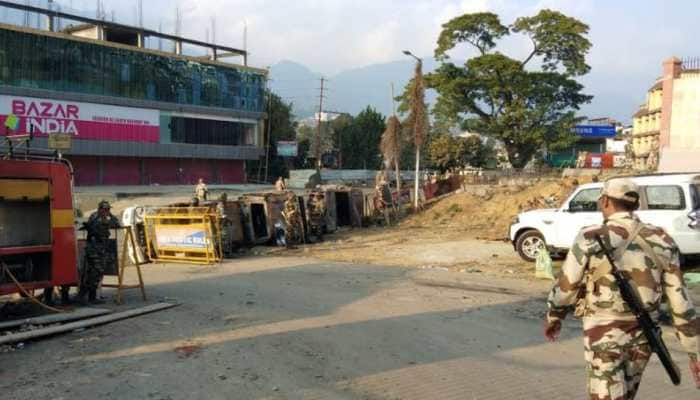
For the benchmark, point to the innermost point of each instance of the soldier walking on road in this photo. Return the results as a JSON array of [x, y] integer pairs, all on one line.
[[201, 191], [292, 219], [616, 349], [98, 255]]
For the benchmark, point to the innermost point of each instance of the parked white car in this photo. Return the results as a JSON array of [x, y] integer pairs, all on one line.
[[670, 201]]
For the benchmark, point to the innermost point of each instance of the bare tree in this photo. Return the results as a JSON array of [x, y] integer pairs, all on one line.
[[390, 147]]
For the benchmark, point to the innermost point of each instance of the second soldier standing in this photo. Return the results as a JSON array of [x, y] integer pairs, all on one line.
[[317, 215], [98, 255], [292, 219]]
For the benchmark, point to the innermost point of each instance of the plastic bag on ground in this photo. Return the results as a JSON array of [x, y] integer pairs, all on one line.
[[691, 278], [543, 265]]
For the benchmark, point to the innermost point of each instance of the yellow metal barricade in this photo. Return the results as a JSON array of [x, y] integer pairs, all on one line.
[[184, 234]]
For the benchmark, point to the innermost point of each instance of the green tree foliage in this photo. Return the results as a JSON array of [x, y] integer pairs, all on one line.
[[525, 104], [448, 152], [283, 128], [357, 139], [306, 136]]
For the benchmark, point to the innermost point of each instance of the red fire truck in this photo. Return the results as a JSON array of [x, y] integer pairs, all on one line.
[[37, 233]]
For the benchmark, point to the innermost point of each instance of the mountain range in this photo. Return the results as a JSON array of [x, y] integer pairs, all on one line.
[[349, 91], [354, 89]]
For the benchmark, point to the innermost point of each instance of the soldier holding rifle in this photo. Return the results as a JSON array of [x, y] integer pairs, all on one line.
[[620, 326]]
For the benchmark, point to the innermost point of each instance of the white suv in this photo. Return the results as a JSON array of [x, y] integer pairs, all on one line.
[[671, 201]]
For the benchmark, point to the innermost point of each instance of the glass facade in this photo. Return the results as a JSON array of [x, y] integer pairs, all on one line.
[[204, 131], [43, 62]]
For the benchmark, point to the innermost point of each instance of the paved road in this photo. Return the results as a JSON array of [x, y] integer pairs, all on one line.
[[294, 328]]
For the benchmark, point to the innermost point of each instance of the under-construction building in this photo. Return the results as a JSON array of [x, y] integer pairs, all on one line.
[[137, 116]]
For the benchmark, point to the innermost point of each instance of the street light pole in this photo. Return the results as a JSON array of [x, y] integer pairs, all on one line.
[[417, 126]]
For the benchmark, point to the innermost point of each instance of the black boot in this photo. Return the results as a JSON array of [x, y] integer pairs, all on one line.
[[92, 297], [81, 297]]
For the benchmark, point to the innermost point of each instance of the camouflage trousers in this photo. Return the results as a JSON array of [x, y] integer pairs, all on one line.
[[293, 232], [616, 355], [96, 260], [316, 226]]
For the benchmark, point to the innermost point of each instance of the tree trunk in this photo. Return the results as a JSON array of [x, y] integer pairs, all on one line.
[[519, 157], [415, 203], [398, 184]]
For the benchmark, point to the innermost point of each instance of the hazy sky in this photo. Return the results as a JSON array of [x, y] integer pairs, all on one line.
[[630, 37]]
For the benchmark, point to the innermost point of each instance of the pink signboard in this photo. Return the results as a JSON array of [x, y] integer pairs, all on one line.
[[85, 121]]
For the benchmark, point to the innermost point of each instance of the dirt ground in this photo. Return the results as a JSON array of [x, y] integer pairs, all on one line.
[[276, 328], [427, 309], [421, 247]]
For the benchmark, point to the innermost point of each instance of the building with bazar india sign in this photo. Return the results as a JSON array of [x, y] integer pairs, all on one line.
[[136, 115]]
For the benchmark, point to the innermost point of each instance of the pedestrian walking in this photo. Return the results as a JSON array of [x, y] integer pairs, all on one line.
[[201, 191]]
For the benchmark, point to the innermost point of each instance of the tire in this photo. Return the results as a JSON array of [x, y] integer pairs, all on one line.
[[527, 243]]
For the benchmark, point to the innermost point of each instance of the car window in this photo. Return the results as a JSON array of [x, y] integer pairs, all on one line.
[[585, 200], [695, 194], [665, 198]]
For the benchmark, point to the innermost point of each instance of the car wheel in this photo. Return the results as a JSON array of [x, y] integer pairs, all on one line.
[[529, 245]]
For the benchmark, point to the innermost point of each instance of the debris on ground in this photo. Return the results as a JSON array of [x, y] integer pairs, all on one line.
[[187, 351], [80, 325], [691, 278]]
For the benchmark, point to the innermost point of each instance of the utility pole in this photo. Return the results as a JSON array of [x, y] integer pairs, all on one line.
[[318, 127], [245, 42], [139, 18], [397, 157], [269, 133], [160, 40]]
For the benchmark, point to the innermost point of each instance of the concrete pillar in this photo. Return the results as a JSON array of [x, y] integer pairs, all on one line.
[[142, 173], [50, 23], [671, 70], [178, 47], [139, 40], [100, 170]]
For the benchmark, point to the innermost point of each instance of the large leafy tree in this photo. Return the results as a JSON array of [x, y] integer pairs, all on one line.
[[358, 139], [446, 152], [528, 103]]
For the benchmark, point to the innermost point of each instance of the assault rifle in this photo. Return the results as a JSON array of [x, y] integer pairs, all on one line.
[[650, 329]]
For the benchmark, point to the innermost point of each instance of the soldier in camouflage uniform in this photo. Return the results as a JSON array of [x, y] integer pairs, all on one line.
[[317, 214], [292, 219], [616, 350], [97, 253]]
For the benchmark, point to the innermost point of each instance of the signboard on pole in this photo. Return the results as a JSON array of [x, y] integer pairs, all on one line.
[[287, 148], [59, 141], [595, 131]]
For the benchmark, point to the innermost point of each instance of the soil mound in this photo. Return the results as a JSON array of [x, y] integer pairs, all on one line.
[[486, 211]]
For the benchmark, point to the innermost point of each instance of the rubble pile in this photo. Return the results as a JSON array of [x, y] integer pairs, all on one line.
[[486, 211]]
